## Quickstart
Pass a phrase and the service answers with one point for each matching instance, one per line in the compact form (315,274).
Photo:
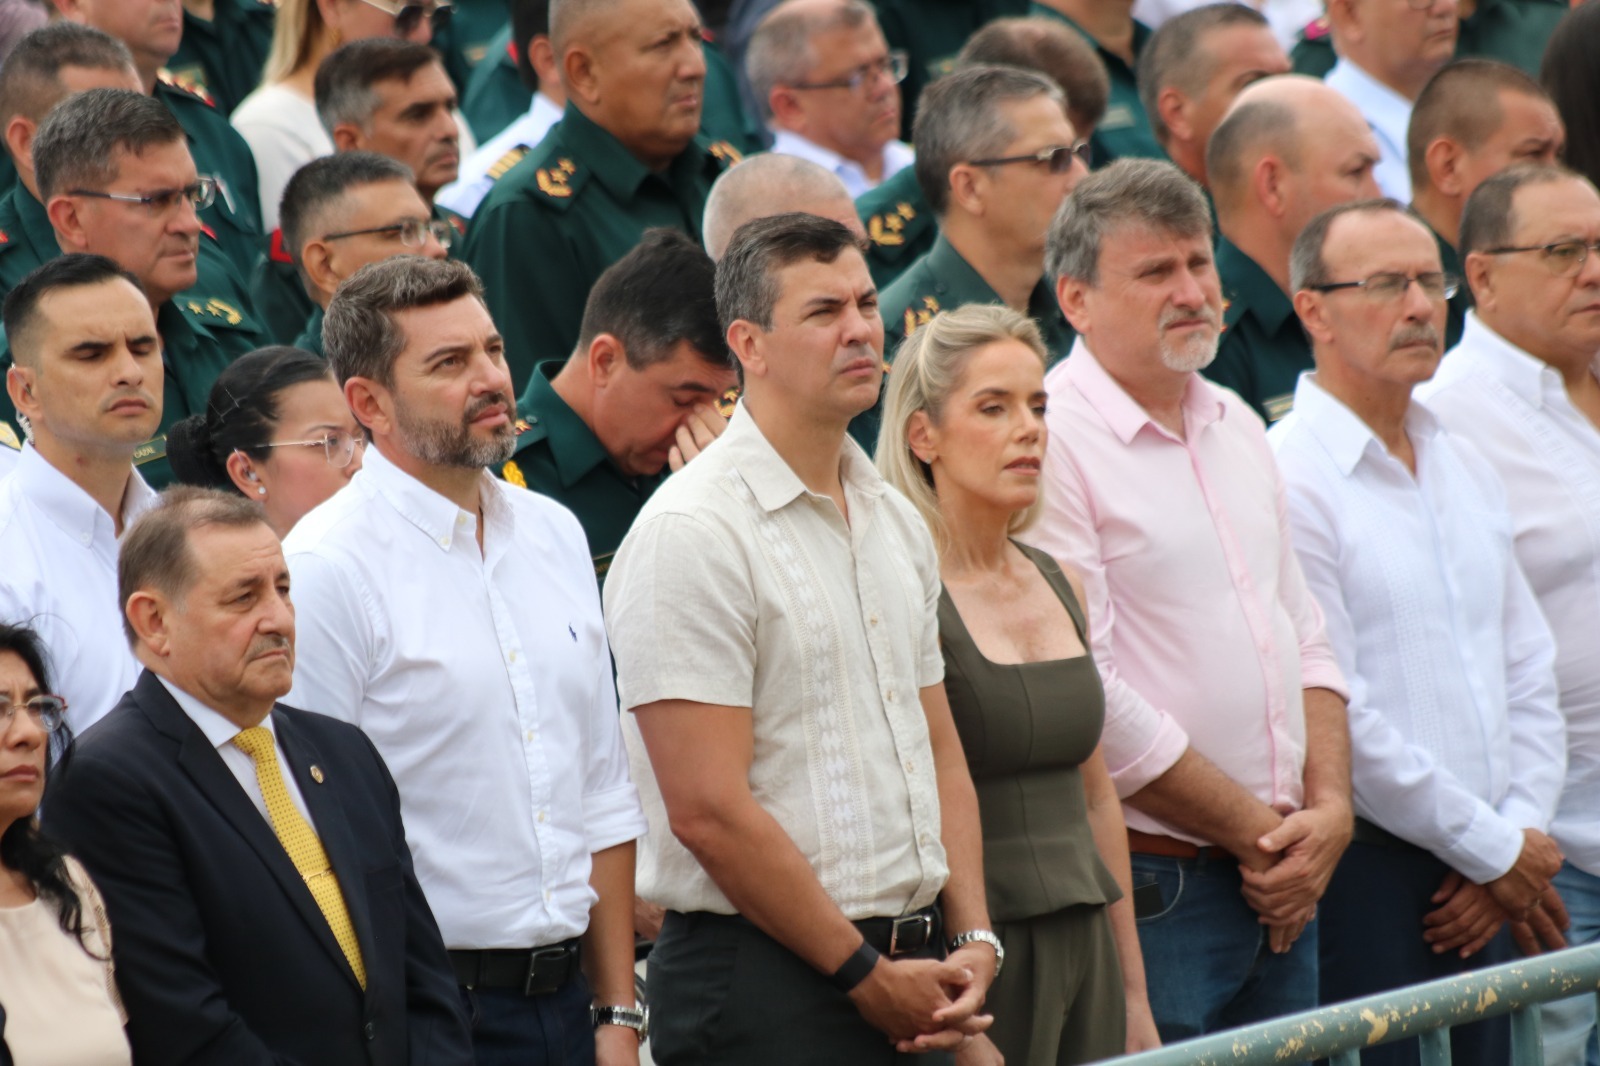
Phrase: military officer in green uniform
(1263,350)
(1118,39)
(931,33)
(603,428)
(1511,31)
(624,158)
(1473,119)
(224,47)
(900,226)
(496,95)
(467,39)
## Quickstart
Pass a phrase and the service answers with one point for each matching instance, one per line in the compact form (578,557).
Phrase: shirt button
(889,695)
(873,620)
(922,839)
(512,655)
(85,537)
(911,767)
(369,1031)
(541,816)
(528,735)
(461,519)
(444,542)
(547,895)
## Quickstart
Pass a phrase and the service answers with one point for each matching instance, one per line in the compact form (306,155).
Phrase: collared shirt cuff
(1524,814)
(613,817)
(1326,675)
(1166,746)
(1487,849)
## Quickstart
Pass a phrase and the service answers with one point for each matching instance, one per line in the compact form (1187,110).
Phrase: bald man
(774,184)
(1289,149)
(1473,120)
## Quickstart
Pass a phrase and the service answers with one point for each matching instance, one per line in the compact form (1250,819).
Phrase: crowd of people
(969,531)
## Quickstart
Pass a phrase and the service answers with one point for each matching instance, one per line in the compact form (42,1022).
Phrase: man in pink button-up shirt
(1225,723)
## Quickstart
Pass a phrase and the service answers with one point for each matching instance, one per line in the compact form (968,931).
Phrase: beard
(1195,353)
(442,443)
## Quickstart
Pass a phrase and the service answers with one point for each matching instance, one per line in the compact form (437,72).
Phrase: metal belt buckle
(533,985)
(908,924)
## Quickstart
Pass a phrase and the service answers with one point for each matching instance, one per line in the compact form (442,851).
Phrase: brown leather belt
(1171,847)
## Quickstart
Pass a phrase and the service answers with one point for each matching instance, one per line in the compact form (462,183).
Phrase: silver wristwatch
(982,936)
(635,1018)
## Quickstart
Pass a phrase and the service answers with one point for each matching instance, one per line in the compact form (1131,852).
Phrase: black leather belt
(536,972)
(1365,832)
(904,935)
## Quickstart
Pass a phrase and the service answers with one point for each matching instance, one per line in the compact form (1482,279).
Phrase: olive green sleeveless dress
(1026,730)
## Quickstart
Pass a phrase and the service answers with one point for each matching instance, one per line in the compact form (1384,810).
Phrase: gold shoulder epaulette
(507,161)
(553,180)
(919,316)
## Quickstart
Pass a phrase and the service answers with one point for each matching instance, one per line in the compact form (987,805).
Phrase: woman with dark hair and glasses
(275,429)
(56,979)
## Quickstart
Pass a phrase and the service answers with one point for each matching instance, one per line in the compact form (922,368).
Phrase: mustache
(1417,334)
(1204,313)
(275,642)
(477,407)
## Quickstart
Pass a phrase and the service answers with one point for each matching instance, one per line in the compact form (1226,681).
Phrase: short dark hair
(240,414)
(1307,268)
(324,182)
(344,80)
(1571,76)
(663,292)
(959,118)
(1175,56)
(1052,48)
(78,142)
(20,312)
(30,77)
(1489,217)
(155,553)
(360,335)
(1462,102)
(747,282)
(529,19)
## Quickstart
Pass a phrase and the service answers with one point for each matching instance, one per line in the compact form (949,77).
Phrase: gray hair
(360,334)
(1137,192)
(1489,218)
(927,369)
(1307,269)
(767,184)
(780,51)
(747,273)
(960,118)
(78,142)
(1175,57)
(344,82)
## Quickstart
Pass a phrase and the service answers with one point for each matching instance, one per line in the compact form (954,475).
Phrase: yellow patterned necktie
(300,841)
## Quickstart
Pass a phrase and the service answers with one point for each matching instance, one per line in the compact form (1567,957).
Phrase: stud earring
(261,490)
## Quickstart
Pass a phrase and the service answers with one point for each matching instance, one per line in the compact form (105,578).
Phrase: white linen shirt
(897,155)
(739,587)
(473,183)
(1389,115)
(1456,739)
(58,573)
(1515,410)
(485,682)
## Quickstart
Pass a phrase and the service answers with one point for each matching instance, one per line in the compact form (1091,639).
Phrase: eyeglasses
(413,232)
(200,195)
(895,65)
(48,712)
(1058,159)
(1562,258)
(1435,285)
(338,448)
(407,17)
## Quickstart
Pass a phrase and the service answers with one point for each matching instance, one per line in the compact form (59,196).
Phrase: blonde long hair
(926,370)
(294,36)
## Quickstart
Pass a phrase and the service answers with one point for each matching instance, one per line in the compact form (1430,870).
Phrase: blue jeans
(1206,959)
(1569,1024)
(511,1029)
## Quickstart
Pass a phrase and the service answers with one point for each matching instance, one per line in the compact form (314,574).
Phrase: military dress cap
(1124,131)
(220,58)
(234,217)
(1263,349)
(574,205)
(900,226)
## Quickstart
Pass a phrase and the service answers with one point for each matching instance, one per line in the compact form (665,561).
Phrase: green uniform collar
(947,264)
(1250,290)
(310,338)
(36,228)
(1449,258)
(612,165)
(574,448)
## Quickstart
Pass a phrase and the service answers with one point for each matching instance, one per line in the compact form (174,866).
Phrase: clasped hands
(928,1004)
(1291,867)
(1470,914)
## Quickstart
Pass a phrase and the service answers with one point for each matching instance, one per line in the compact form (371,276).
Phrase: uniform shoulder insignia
(8,437)
(888,229)
(553,180)
(513,473)
(727,153)
(213,310)
(727,401)
(919,316)
(506,162)
(189,86)
(522,426)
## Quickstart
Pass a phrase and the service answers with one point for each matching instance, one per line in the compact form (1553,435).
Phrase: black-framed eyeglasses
(1435,285)
(48,712)
(1561,258)
(1058,158)
(413,232)
(338,448)
(407,17)
(894,65)
(201,194)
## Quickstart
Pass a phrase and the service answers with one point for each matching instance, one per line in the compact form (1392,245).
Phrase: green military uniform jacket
(310,338)
(559,456)
(574,205)
(932,32)
(1456,312)
(221,59)
(469,37)
(1125,129)
(1263,349)
(27,240)
(1511,31)
(234,218)
(900,226)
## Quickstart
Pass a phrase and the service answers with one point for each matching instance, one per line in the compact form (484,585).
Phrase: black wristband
(855,968)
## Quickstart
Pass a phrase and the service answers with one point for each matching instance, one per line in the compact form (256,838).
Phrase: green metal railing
(1421,1012)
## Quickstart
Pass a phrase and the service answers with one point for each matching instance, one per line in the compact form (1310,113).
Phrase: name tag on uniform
(602,563)
(1117,117)
(150,451)
(1278,406)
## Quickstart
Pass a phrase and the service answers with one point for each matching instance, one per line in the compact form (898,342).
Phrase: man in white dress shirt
(88,378)
(1521,386)
(1457,742)
(773,613)
(455,618)
(829,88)
(1388,49)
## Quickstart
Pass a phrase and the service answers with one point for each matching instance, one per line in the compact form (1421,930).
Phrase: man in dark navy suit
(251,855)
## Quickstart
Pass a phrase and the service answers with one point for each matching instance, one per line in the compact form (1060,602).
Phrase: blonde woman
(963,437)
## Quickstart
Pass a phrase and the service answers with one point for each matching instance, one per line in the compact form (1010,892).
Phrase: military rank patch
(726,402)
(727,153)
(513,474)
(522,425)
(885,229)
(553,180)
(216,309)
(919,316)
(507,161)
(188,81)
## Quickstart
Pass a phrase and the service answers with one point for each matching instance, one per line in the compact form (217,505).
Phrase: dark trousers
(723,993)
(1371,941)
(511,1029)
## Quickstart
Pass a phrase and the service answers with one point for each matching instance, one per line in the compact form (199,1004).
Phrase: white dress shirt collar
(435,515)
(218,729)
(897,155)
(1341,431)
(70,508)
(1528,376)
(773,482)
(1389,115)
